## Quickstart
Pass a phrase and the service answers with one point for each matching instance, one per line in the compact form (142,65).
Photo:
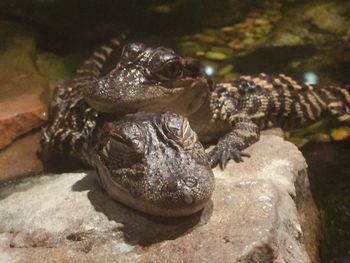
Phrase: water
(330,181)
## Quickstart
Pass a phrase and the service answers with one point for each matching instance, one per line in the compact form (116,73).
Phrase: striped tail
(91,68)
(338,99)
(71,121)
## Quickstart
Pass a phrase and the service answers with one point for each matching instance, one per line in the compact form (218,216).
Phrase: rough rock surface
(22,89)
(20,115)
(253,217)
(21,85)
(21,159)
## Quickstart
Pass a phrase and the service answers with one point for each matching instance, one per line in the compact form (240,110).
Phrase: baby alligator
(151,162)
(155,164)
(158,79)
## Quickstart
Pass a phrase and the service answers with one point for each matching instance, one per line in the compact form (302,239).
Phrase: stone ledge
(20,158)
(253,217)
(20,115)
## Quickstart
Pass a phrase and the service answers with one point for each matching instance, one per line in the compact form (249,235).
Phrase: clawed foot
(45,151)
(221,155)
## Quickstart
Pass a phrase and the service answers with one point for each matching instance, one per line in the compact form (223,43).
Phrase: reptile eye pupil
(172,69)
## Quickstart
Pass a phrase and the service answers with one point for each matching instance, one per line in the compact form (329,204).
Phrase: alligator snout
(188,197)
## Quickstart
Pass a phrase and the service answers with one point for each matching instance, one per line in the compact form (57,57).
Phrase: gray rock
(253,217)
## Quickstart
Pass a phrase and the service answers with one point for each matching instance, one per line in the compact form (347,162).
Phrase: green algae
(18,72)
(212,55)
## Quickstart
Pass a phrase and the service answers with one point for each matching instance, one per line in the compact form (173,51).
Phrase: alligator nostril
(172,185)
(191,181)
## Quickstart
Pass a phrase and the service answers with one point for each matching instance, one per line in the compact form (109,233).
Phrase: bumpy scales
(252,103)
(158,79)
(72,120)
(152,162)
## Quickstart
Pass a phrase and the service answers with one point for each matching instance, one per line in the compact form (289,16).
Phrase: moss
(340,133)
(54,67)
(215,55)
(18,72)
(225,70)
(329,16)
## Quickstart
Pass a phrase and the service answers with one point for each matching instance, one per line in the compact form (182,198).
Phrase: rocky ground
(261,211)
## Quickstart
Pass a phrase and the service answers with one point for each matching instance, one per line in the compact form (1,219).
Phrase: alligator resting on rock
(152,162)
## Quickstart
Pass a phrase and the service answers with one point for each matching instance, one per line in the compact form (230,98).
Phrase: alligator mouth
(164,207)
(154,98)
(122,195)
(156,210)
(156,104)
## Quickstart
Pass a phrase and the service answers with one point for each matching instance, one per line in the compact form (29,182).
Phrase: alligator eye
(119,144)
(115,142)
(130,52)
(186,130)
(180,131)
(172,69)
(174,130)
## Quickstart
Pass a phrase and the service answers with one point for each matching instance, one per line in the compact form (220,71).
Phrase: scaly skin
(155,164)
(71,121)
(149,79)
(151,162)
(157,79)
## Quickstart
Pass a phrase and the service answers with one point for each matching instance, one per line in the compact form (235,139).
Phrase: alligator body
(233,113)
(152,162)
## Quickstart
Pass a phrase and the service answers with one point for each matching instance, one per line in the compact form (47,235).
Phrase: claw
(45,138)
(221,157)
(214,157)
(225,157)
(223,164)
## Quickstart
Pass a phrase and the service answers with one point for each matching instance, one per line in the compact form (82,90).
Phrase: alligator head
(149,79)
(153,162)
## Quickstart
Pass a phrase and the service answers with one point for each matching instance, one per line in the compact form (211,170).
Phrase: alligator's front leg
(231,146)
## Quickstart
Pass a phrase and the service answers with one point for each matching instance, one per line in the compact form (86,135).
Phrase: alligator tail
(338,99)
(91,68)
